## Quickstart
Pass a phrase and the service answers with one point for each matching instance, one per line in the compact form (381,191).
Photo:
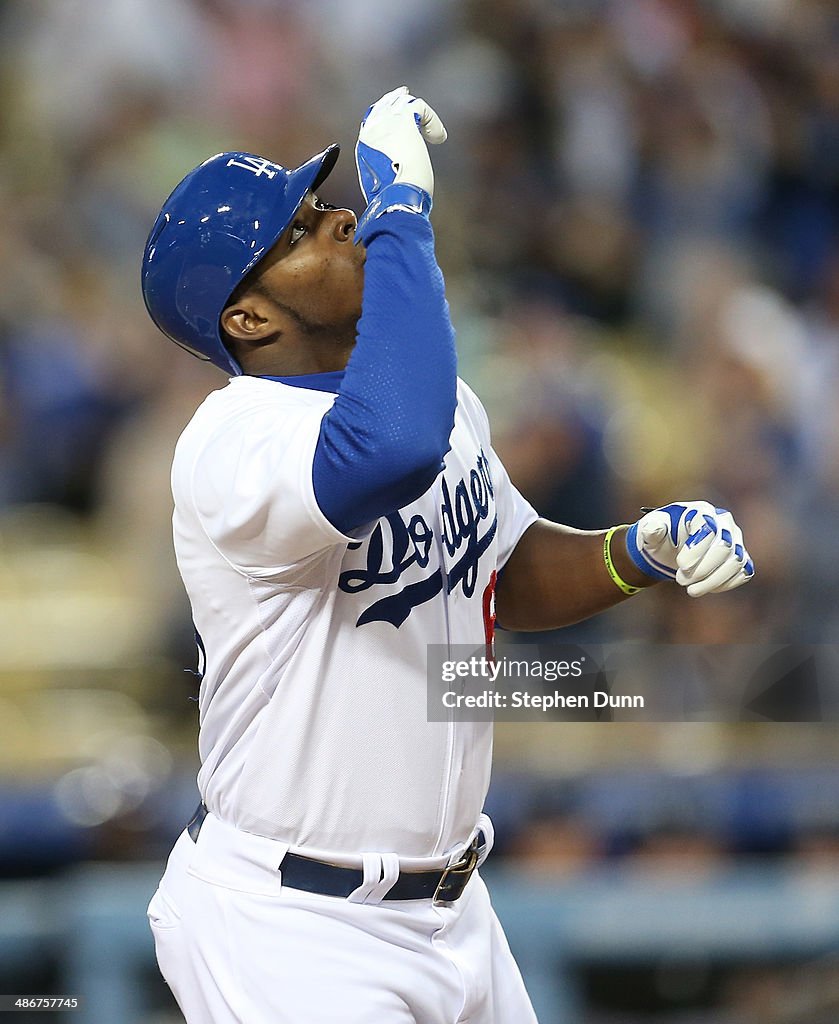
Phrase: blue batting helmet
(213,229)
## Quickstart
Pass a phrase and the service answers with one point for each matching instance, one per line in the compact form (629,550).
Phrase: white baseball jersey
(313,719)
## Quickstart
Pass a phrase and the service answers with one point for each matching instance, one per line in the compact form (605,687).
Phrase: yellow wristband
(627,588)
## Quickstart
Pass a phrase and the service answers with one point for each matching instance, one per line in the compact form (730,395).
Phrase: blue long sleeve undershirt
(382,443)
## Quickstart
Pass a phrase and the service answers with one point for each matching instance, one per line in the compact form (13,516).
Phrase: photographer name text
(540,701)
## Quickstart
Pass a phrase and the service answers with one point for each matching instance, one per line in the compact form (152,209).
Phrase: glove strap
(646,563)
(614,575)
(398,196)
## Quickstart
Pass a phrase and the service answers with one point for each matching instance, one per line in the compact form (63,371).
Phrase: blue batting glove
(391,155)
(695,544)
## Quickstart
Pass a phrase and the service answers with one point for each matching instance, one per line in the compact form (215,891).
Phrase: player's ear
(246,320)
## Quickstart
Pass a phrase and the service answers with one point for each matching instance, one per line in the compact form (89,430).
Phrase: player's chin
(349,284)
(352,300)
(359,284)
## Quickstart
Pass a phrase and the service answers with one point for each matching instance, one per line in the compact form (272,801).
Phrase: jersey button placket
(450,727)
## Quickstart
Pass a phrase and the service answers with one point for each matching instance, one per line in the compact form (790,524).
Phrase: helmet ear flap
(214,228)
(202,284)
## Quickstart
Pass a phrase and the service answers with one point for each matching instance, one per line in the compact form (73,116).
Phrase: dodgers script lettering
(395,546)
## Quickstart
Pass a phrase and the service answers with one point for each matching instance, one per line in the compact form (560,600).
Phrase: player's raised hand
(695,544)
(391,147)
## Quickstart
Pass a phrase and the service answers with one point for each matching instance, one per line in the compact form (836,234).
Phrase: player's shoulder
(471,406)
(248,397)
(244,405)
(464,392)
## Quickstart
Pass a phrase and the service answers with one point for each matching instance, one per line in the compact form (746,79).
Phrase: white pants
(235,945)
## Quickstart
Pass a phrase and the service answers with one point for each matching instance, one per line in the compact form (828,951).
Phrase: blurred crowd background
(636,214)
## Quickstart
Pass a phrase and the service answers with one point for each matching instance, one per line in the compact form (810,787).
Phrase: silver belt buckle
(465,866)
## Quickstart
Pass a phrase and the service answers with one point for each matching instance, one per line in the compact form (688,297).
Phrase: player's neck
(285,360)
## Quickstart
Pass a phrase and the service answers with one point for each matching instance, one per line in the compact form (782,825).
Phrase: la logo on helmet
(256,165)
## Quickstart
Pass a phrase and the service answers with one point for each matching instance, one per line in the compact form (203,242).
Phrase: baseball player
(338,507)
